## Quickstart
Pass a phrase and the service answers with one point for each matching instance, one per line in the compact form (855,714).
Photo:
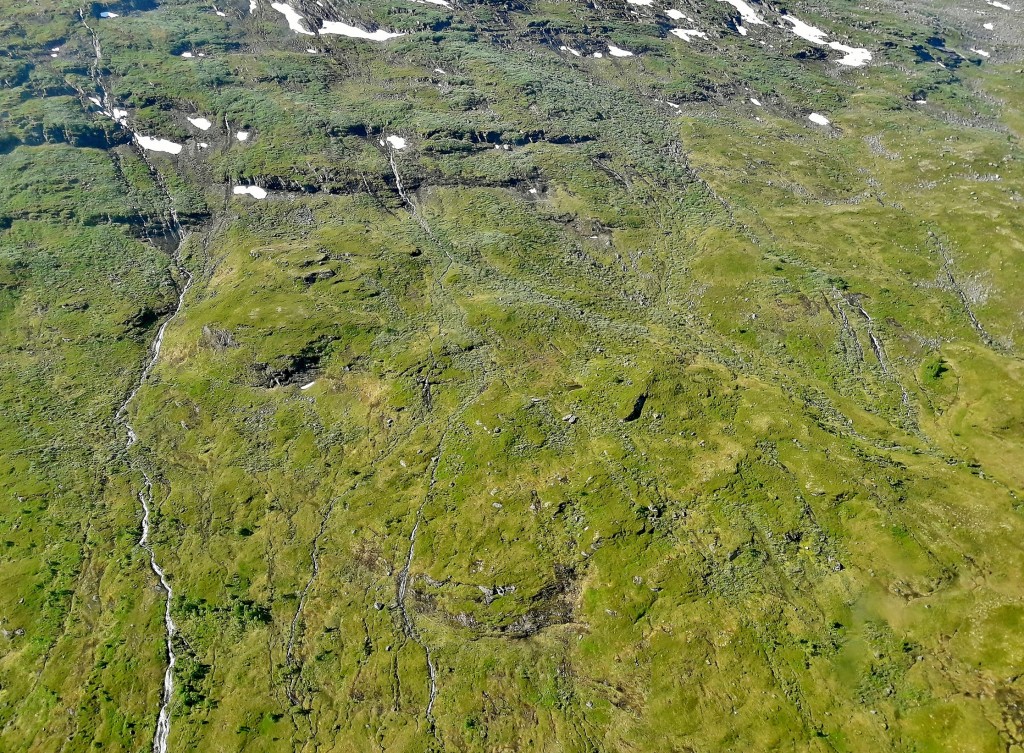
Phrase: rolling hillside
(512,375)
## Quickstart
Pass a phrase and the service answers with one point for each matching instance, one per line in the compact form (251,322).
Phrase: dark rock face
(293,369)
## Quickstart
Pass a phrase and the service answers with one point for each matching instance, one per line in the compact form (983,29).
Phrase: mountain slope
(553,376)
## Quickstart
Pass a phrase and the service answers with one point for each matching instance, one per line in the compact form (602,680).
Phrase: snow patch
(677,15)
(118,114)
(255,191)
(819,119)
(396,142)
(571,51)
(308,385)
(242,135)
(221,13)
(748,14)
(598,55)
(203,145)
(743,31)
(640,2)
(688,35)
(990,27)
(755,102)
(347,30)
(618,52)
(108,14)
(295,21)
(997,4)
(158,145)
(855,56)
(201,123)
(186,54)
(983,53)
(806,31)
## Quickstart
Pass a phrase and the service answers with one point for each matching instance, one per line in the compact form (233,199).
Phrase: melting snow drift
(806,31)
(201,123)
(688,35)
(819,119)
(255,191)
(298,24)
(855,56)
(158,145)
(346,30)
(617,52)
(295,22)
(748,14)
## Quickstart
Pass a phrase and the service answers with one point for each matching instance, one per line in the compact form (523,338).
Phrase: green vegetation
(615,412)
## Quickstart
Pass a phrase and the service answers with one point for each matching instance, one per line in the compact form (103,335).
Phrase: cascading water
(163,725)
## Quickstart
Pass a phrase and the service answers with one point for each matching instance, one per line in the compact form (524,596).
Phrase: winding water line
(163,725)
(408,625)
(403,584)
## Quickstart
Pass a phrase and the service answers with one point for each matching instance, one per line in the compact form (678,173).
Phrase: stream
(163,725)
